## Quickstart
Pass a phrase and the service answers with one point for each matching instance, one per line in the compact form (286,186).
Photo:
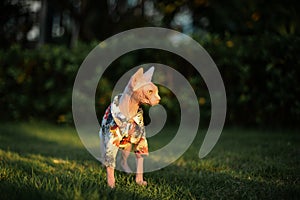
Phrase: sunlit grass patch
(43,161)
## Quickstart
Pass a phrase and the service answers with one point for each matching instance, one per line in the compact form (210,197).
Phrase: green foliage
(42,161)
(38,83)
(260,73)
(254,43)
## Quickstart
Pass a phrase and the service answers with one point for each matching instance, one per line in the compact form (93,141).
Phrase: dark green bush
(261,76)
(38,83)
(260,73)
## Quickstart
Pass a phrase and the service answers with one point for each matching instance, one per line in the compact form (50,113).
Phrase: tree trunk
(46,20)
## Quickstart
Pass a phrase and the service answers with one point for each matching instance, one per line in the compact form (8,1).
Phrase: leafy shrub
(38,83)
(261,76)
(260,73)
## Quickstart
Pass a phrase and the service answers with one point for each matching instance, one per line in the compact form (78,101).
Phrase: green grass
(42,161)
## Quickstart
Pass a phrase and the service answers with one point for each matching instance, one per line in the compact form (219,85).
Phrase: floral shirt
(117,132)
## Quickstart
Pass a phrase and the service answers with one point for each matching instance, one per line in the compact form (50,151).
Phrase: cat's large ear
(136,78)
(148,74)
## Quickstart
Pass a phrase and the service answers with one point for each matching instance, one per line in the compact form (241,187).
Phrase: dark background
(255,44)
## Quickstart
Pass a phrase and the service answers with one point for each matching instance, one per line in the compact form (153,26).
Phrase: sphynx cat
(123,127)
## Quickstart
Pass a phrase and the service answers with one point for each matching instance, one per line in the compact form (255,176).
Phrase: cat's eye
(150,91)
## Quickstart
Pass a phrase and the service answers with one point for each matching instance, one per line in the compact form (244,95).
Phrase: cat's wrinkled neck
(128,105)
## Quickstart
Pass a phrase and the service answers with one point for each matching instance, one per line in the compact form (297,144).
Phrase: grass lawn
(43,161)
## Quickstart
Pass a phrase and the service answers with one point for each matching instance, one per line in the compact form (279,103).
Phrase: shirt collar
(118,116)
